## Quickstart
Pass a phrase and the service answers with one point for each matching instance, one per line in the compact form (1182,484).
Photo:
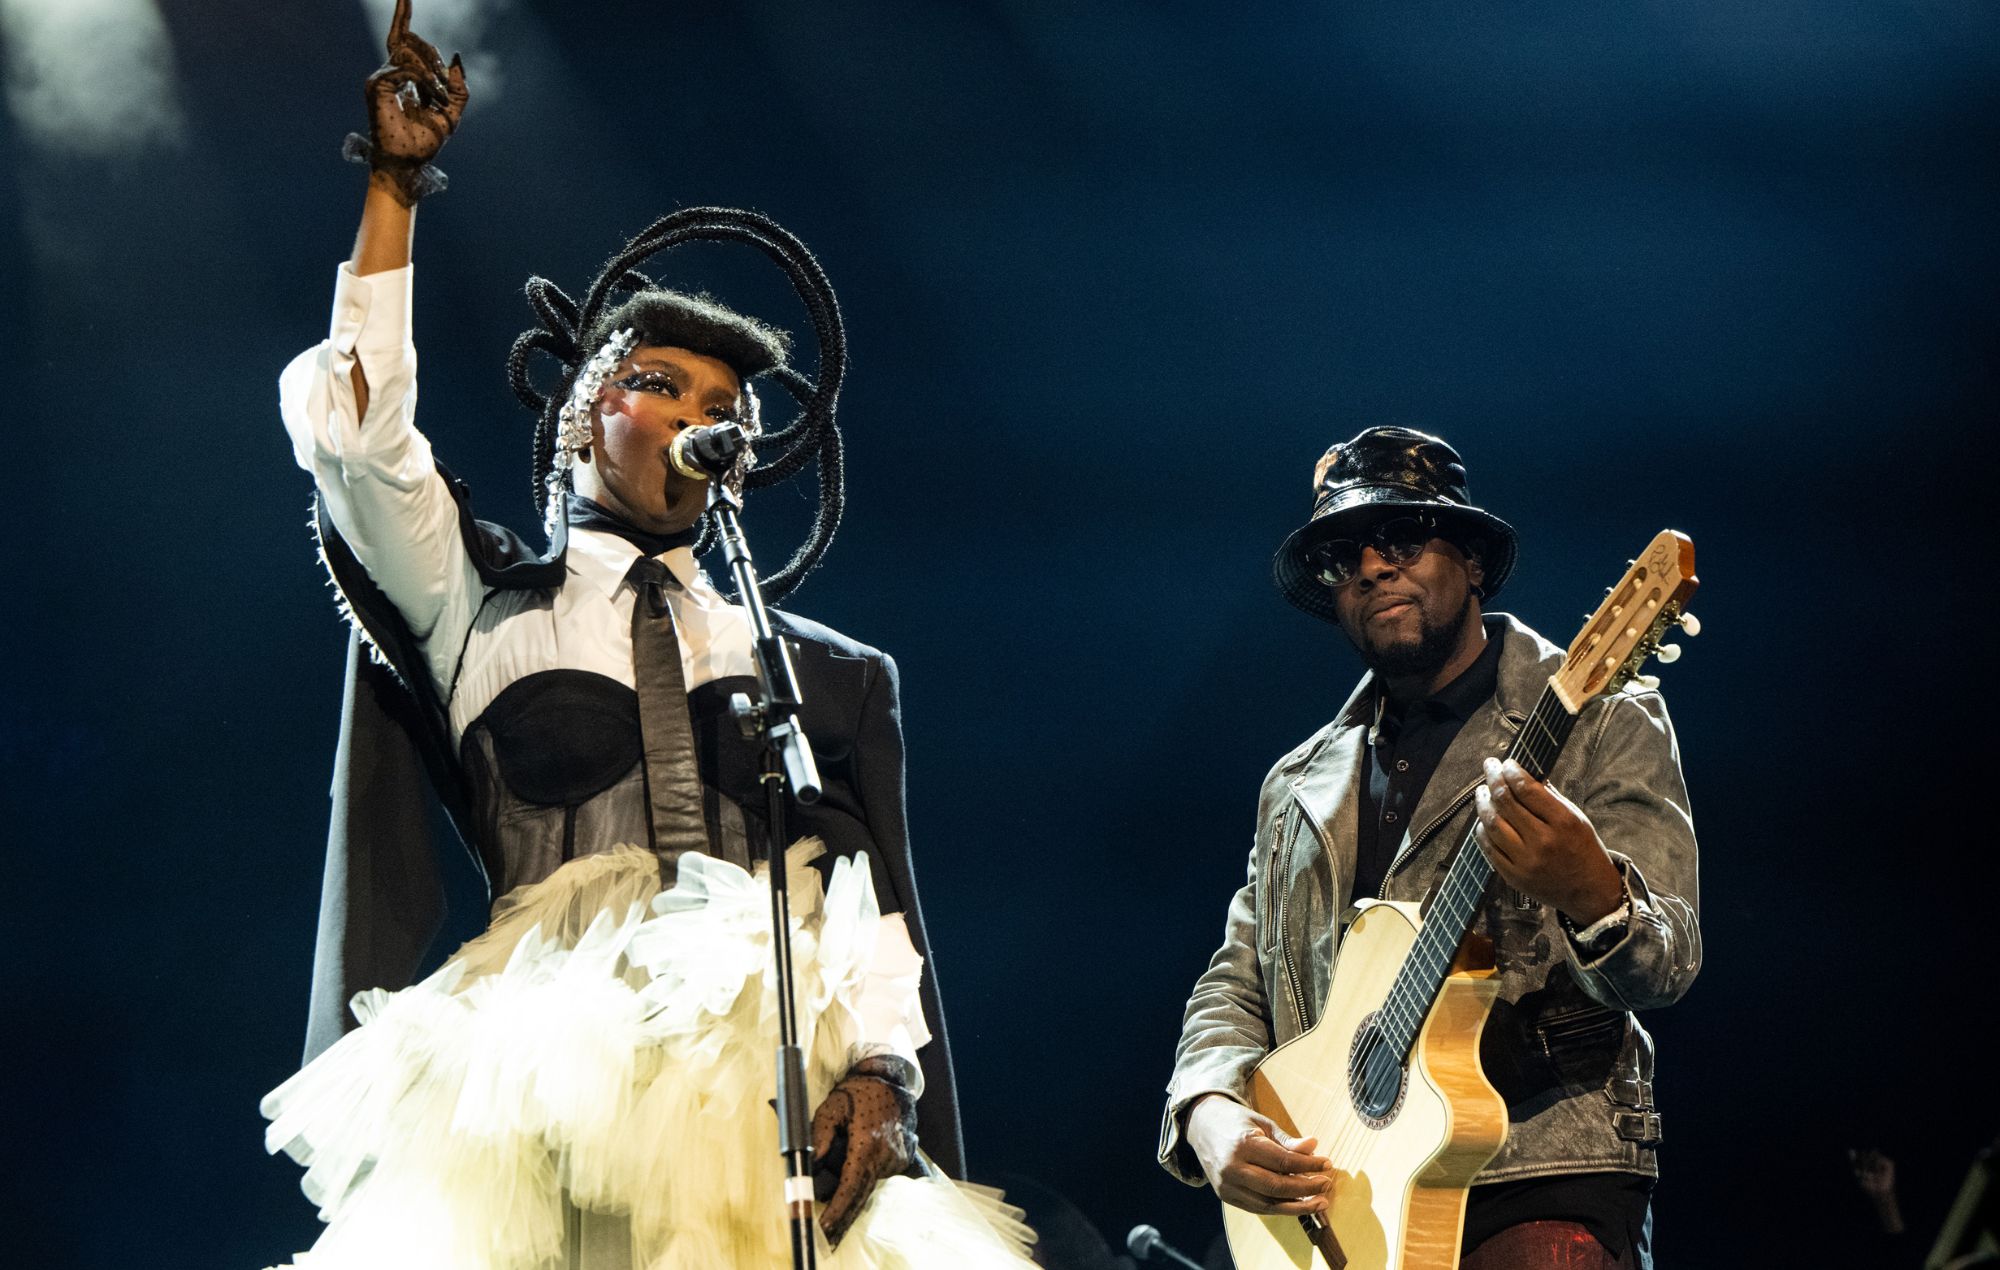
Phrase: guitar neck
(1457,901)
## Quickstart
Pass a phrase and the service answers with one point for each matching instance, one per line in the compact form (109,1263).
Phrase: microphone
(1145,1243)
(701,453)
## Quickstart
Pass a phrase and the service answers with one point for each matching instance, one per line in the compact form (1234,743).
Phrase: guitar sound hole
(1374,1075)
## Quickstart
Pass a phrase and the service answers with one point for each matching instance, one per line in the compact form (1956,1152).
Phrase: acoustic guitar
(1389,1079)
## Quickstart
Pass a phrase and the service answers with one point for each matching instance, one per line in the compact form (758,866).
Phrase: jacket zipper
(1451,809)
(1268,903)
(1298,813)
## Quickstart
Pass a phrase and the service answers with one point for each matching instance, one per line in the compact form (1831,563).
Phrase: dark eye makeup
(658,381)
(651,381)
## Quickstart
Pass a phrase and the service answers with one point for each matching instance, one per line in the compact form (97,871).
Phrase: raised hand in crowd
(1875,1174)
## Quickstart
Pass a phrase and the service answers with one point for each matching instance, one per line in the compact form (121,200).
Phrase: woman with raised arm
(585,1084)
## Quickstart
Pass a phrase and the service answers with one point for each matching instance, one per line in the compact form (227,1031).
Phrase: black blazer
(382,900)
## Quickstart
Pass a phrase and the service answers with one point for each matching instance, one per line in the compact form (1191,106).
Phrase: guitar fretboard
(1423,973)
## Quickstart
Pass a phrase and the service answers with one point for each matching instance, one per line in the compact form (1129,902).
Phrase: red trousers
(1541,1245)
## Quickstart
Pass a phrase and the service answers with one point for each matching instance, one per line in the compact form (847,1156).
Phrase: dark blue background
(1114,275)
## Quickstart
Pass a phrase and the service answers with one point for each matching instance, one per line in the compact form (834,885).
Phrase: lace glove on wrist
(866,1130)
(414,104)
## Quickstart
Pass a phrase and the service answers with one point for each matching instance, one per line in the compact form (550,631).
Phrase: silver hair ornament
(752,423)
(573,421)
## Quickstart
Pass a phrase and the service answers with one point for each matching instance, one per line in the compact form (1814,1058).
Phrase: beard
(1427,654)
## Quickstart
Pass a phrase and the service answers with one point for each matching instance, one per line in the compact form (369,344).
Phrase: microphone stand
(774,719)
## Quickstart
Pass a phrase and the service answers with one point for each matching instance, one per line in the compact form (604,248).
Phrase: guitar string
(1399,1008)
(1462,887)
(1394,1021)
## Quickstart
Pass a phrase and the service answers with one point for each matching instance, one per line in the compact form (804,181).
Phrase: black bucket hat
(1382,473)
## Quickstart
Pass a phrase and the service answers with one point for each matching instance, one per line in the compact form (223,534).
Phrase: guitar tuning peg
(1648,682)
(1690,623)
(1669,654)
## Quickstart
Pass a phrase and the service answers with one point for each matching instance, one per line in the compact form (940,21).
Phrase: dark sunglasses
(1399,542)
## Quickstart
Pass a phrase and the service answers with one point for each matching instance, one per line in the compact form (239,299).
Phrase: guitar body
(1398,1198)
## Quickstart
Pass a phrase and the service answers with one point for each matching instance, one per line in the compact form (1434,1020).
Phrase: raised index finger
(399,25)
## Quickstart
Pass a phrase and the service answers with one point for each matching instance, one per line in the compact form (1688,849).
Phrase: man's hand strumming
(1254,1164)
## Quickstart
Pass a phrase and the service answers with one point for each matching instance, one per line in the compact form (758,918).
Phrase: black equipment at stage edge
(1145,1243)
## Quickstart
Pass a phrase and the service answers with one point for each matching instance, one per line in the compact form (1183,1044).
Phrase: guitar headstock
(1627,628)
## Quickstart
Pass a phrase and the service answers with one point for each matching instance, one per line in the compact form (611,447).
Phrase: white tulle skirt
(585,1086)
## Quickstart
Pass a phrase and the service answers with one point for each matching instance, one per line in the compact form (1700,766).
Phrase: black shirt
(1408,742)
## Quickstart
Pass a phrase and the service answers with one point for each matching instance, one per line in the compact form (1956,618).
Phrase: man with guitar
(1591,916)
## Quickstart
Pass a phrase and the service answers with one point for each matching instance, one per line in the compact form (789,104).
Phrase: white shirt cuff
(889,1008)
(371,312)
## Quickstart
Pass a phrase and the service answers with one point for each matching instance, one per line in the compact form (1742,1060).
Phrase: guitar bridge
(1320,1236)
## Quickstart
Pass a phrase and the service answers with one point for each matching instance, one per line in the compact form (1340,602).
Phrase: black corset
(553,770)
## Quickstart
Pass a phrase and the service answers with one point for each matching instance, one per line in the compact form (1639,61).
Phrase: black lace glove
(414,104)
(866,1130)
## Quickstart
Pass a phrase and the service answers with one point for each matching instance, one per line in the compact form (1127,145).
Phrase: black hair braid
(800,388)
(556,310)
(832,502)
(813,436)
(557,337)
(518,379)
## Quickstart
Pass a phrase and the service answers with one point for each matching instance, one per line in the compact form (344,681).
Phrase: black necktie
(673,781)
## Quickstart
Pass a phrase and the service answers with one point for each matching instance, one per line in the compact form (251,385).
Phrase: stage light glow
(90,77)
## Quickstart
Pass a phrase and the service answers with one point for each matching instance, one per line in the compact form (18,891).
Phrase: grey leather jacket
(1562,1045)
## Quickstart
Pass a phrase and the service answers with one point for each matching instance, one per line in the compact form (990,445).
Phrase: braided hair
(569,332)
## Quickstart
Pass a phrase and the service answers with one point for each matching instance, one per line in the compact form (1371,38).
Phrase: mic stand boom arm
(787,760)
